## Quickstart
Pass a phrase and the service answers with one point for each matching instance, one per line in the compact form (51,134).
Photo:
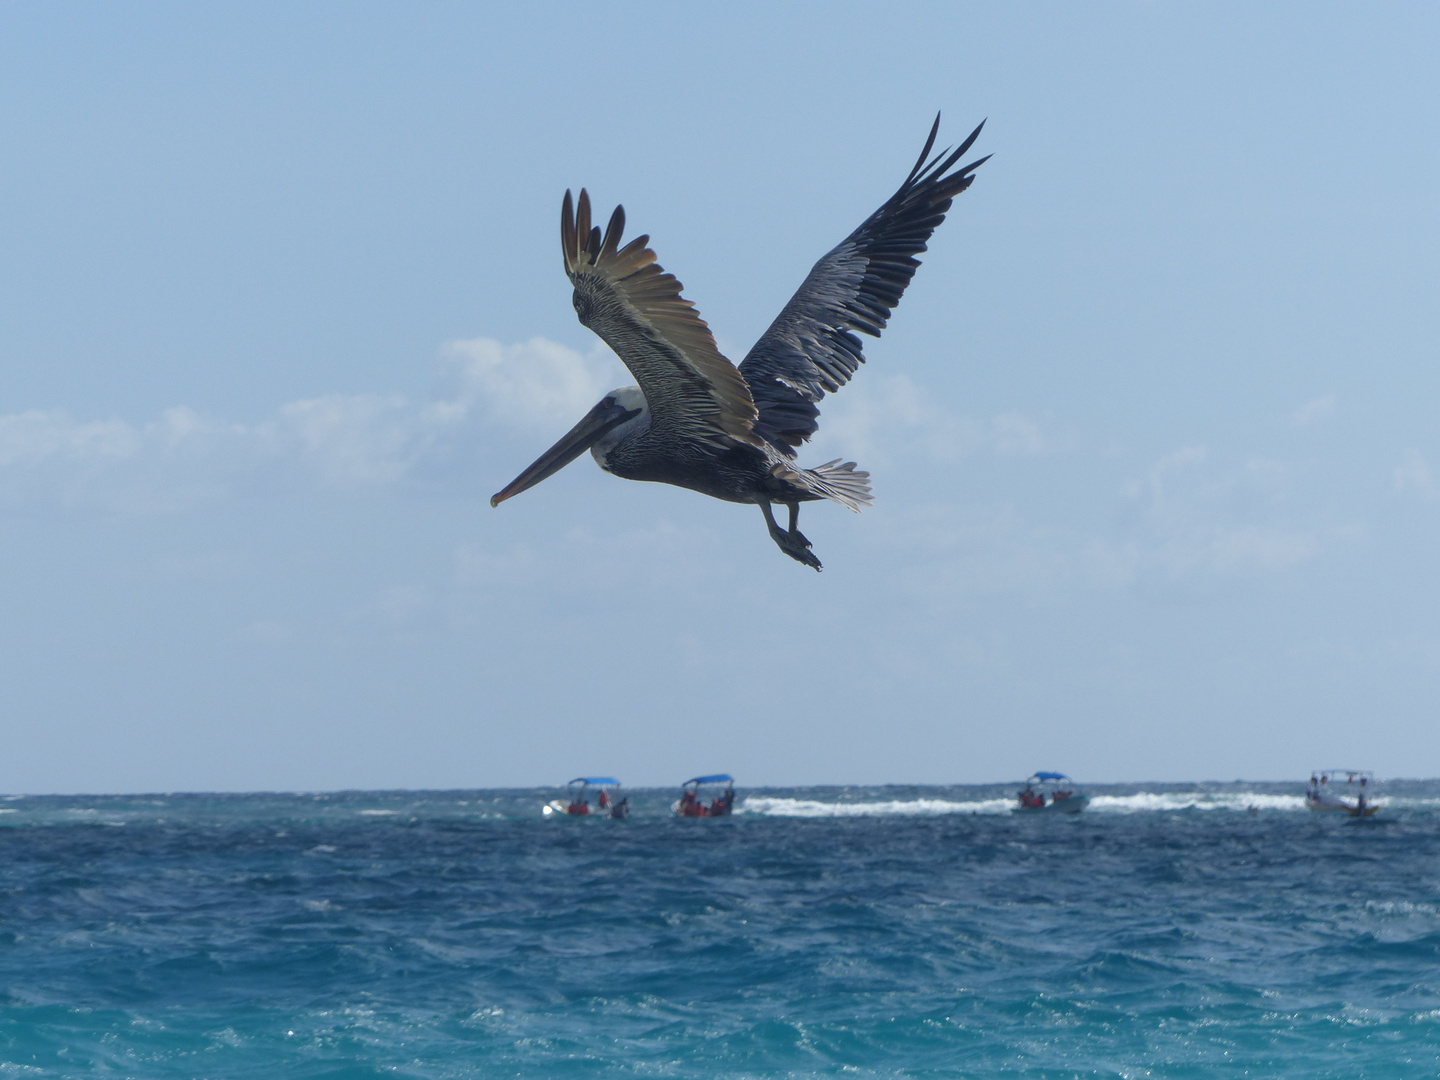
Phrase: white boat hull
(1353,809)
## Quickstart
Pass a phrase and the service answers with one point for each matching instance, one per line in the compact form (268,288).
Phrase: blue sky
(1152,434)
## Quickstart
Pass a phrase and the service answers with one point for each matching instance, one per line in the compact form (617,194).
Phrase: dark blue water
(868,932)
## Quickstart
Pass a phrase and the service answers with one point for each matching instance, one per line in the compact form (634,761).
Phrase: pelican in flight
(696,420)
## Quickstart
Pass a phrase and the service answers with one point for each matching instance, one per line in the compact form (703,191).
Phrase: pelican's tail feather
(841,482)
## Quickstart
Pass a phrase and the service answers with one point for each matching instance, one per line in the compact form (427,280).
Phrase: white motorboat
(578,805)
(1354,796)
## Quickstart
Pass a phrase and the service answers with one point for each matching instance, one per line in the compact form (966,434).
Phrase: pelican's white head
(631,400)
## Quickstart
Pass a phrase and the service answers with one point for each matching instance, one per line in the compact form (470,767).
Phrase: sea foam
(1138,802)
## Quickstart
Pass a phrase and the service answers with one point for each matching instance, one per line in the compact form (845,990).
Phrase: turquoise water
(895,931)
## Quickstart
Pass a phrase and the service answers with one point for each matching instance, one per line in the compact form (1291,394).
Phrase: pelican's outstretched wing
(627,298)
(811,346)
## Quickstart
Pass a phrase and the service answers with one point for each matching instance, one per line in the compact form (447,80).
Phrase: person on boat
(604,799)
(722,803)
(690,806)
(621,809)
(578,806)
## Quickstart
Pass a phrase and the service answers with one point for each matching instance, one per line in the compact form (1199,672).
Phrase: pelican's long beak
(577,440)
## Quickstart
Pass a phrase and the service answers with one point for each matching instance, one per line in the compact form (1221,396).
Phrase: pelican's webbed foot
(793,542)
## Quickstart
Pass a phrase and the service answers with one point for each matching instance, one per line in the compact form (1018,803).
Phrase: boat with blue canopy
(1050,793)
(693,800)
(578,804)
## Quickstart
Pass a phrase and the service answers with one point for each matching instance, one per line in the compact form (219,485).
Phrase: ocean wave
(1398,803)
(781,807)
(1139,802)
(895,944)
(1149,801)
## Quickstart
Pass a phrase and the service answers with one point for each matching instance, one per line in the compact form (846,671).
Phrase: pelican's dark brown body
(735,474)
(696,420)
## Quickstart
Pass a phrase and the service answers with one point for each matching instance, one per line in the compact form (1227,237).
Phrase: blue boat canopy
(597,781)
(1050,776)
(717,778)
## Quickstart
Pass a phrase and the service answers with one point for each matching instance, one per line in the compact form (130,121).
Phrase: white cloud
(890,416)
(490,393)
(1013,434)
(1187,515)
(401,604)
(336,442)
(1413,476)
(1187,519)
(539,385)
(1196,520)
(52,458)
(30,437)
(1314,411)
(1162,478)
(978,550)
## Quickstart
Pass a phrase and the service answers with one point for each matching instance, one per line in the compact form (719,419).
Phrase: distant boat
(1354,797)
(1050,793)
(692,802)
(578,805)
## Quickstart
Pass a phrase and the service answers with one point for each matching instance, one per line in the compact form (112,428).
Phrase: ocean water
(1169,931)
